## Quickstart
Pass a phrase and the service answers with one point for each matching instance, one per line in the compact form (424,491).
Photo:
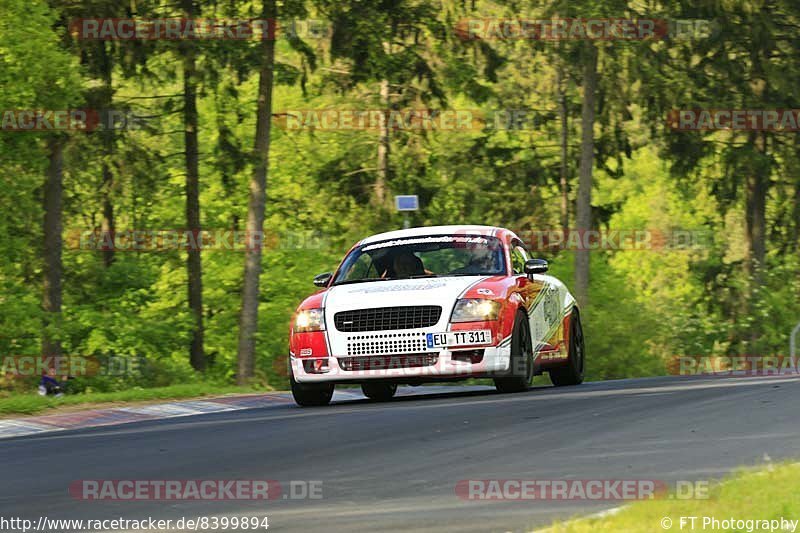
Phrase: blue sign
(409,202)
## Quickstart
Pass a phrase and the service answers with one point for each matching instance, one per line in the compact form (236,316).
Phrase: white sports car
(430,304)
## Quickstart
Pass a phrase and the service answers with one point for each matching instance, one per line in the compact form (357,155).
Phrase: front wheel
(572,372)
(521,358)
(311,394)
(380,392)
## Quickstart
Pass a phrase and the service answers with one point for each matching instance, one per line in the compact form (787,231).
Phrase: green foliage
(759,494)
(645,306)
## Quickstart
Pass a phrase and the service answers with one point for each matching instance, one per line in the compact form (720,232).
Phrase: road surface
(394,466)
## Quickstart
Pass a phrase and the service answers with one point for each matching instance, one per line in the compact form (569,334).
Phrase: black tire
(311,394)
(379,392)
(572,372)
(521,371)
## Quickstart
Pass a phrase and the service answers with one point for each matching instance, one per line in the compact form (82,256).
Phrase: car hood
(423,291)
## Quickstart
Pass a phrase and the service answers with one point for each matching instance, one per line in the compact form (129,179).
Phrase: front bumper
(445,365)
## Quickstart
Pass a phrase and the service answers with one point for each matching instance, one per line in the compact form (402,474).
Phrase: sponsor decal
(427,240)
(547,356)
(411,286)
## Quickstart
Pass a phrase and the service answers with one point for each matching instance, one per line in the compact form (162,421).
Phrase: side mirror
(535,266)
(322,280)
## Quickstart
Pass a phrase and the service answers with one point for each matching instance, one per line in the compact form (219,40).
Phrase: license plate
(459,338)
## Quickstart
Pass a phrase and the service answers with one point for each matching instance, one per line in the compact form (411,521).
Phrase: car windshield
(428,256)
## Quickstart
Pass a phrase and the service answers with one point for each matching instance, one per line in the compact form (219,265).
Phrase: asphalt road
(395,466)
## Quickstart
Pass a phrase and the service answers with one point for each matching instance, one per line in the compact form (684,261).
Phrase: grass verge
(768,494)
(33,403)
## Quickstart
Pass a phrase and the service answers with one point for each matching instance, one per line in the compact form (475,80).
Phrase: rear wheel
(572,372)
(311,394)
(380,392)
(521,358)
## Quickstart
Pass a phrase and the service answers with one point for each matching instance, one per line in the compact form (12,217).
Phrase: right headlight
(475,310)
(309,320)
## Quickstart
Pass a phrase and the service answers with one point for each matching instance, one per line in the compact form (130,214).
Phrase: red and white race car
(434,304)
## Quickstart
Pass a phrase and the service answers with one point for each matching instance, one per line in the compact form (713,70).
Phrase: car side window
(362,268)
(518,258)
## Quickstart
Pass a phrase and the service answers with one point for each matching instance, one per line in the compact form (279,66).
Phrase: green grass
(768,494)
(33,403)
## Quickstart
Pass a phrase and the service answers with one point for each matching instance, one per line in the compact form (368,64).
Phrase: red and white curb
(33,425)
(125,415)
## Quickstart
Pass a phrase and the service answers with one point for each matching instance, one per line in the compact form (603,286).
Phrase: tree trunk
(108,226)
(562,113)
(191,154)
(51,298)
(383,148)
(756,187)
(795,245)
(583,209)
(248,319)
(757,184)
(794,236)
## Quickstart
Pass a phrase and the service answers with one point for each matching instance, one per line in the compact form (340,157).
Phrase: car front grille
(387,318)
(386,343)
(387,362)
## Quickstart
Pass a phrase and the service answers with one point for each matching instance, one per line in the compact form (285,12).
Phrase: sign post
(793,342)
(405,203)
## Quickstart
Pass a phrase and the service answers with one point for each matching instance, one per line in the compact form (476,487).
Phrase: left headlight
(309,320)
(475,310)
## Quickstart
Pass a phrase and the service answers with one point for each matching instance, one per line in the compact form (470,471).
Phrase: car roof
(436,230)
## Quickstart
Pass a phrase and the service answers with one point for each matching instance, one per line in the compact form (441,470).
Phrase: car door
(540,296)
(529,289)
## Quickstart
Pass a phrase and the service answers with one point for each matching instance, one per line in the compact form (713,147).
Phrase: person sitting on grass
(49,386)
